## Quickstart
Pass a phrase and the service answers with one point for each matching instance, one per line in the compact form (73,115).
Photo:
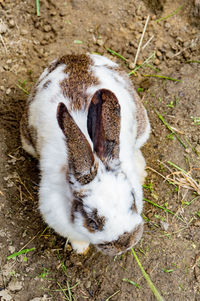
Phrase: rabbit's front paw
(81,247)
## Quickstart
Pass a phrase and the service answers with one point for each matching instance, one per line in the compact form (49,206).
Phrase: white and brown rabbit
(85,123)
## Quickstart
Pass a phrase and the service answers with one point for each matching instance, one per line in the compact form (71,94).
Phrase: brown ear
(103,124)
(80,157)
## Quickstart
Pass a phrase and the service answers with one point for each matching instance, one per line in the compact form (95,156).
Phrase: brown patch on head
(92,221)
(104,124)
(79,79)
(80,157)
(123,243)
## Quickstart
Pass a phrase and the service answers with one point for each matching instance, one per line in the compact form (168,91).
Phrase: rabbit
(85,124)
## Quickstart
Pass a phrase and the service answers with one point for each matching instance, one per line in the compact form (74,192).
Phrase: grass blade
(131,282)
(163,208)
(153,55)
(38,7)
(162,76)
(117,54)
(24,251)
(146,276)
(170,15)
(24,90)
(169,128)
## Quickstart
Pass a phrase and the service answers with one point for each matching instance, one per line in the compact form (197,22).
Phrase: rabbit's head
(107,205)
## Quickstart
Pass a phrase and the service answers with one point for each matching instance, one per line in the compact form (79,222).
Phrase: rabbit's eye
(92,224)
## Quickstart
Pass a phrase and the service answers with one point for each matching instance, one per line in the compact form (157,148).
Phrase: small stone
(9,61)
(139,62)
(131,66)
(11,249)
(2,88)
(153,17)
(62,13)
(198,148)
(158,53)
(88,284)
(197,223)
(188,150)
(186,44)
(24,32)
(5,295)
(3,28)
(164,225)
(169,54)
(8,91)
(167,25)
(53,13)
(15,286)
(47,28)
(100,42)
(11,23)
(156,62)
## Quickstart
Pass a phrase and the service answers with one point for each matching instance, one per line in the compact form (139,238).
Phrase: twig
(147,43)
(141,39)
(145,62)
(4,44)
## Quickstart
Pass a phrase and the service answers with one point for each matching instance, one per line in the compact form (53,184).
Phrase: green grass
(171,130)
(131,282)
(147,278)
(24,251)
(116,54)
(162,77)
(78,42)
(152,56)
(170,15)
(38,7)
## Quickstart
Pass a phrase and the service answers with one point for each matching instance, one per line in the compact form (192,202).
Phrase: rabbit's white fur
(108,193)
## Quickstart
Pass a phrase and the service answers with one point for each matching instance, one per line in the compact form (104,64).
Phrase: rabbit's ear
(103,124)
(80,156)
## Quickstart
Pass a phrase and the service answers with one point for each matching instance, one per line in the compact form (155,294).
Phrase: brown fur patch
(80,78)
(80,155)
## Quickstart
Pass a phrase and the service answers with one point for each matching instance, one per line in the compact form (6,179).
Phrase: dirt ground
(170,248)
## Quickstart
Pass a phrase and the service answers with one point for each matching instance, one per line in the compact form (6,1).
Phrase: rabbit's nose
(123,243)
